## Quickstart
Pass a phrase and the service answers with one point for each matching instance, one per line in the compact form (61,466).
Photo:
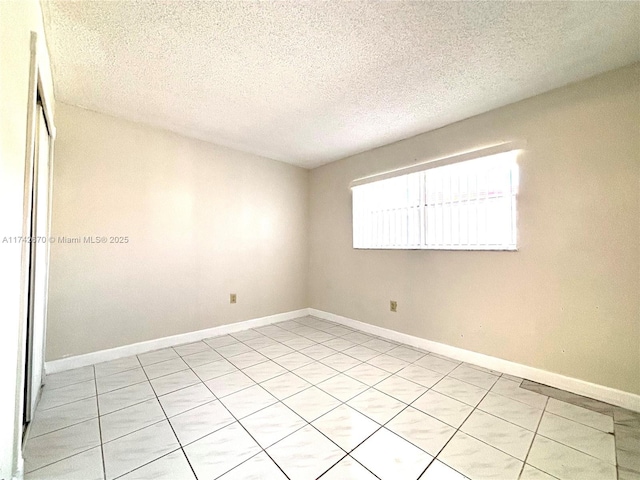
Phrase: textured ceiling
(311,82)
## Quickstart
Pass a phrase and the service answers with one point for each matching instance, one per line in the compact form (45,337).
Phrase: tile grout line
(168,421)
(341,403)
(369,387)
(436,457)
(247,431)
(407,405)
(535,434)
(104,465)
(256,383)
(308,423)
(315,384)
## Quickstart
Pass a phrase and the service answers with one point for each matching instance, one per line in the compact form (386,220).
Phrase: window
(469,205)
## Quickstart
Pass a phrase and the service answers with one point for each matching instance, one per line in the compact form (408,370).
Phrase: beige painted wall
(568,300)
(203,222)
(18,18)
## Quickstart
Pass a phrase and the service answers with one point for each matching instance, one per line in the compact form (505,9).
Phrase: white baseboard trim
(78,361)
(599,392)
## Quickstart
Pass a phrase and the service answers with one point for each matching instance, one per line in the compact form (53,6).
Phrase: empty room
(271,240)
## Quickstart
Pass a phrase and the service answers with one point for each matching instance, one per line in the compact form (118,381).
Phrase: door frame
(36,94)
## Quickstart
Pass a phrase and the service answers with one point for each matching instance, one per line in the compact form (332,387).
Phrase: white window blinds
(469,205)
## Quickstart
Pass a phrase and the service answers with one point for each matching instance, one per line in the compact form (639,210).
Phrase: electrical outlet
(232,298)
(393,305)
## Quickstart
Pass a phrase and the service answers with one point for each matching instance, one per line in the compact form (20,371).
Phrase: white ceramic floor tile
(474,376)
(478,460)
(357,337)
(566,463)
(214,369)
(390,457)
(423,376)
(51,447)
(361,353)
(264,371)
(299,342)
(401,388)
(483,369)
(388,363)
(437,364)
(63,395)
(258,467)
(445,409)
(247,335)
(338,331)
(247,359)
(311,403)
(422,430)
(200,421)
(268,329)
(157,356)
(275,351)
(340,362)
(513,411)
(120,380)
(293,360)
(376,405)
(191,348)
(272,424)
(317,352)
(130,419)
(245,402)
(285,385)
(116,366)
(288,324)
(342,387)
(233,349)
(221,451)
(260,342)
(306,454)
(346,427)
(331,364)
(439,471)
(512,390)
(83,466)
(167,367)
(283,336)
(315,372)
(461,391)
(222,341)
(531,473)
(581,415)
(498,433)
(46,421)
(125,397)
(173,382)
(185,399)
(202,358)
(379,345)
(350,469)
(173,466)
(406,354)
(64,379)
(320,337)
(586,439)
(368,374)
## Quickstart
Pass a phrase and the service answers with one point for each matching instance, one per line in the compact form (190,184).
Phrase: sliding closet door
(39,265)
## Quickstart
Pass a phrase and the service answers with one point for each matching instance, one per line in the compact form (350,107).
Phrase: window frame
(507,149)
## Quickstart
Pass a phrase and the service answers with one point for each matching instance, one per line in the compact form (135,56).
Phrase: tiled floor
(309,398)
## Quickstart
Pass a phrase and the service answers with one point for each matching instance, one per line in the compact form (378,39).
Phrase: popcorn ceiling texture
(311,82)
